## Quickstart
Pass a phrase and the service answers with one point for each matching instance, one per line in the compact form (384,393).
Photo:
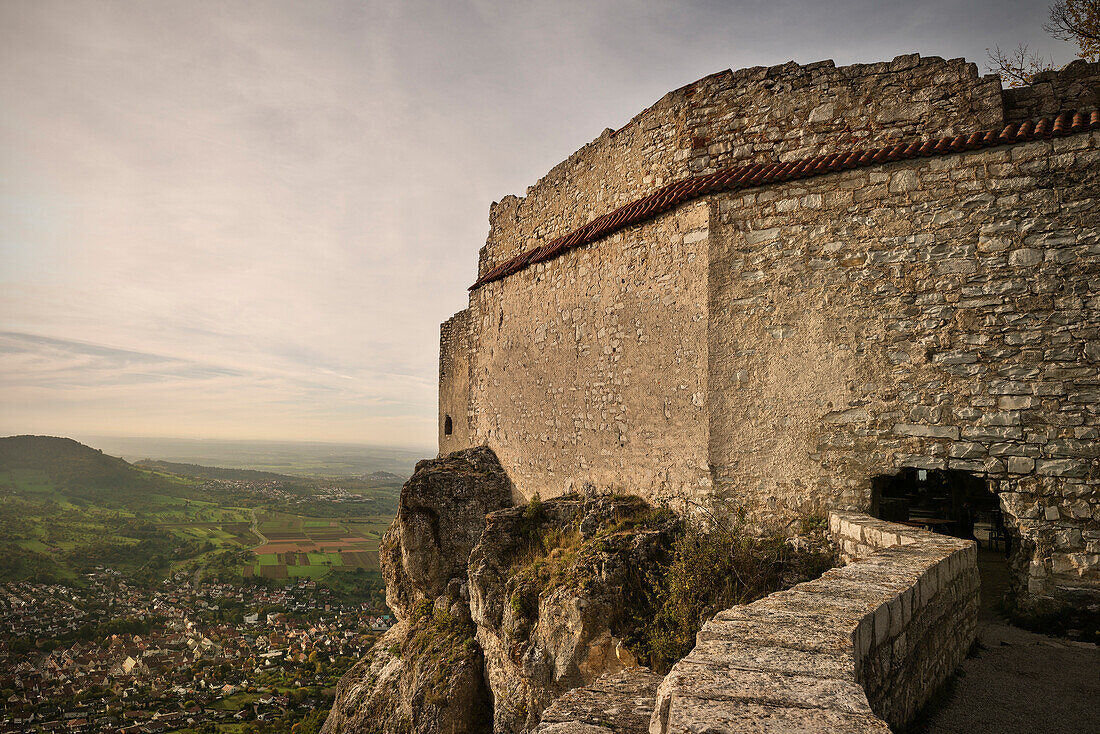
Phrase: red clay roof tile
(757,174)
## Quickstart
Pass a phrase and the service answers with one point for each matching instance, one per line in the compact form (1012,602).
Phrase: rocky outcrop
(556,590)
(617,703)
(439,521)
(426,675)
(539,617)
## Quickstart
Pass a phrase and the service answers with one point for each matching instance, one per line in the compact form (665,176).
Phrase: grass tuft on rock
(699,567)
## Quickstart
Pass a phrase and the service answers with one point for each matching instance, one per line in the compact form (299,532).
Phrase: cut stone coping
(859,649)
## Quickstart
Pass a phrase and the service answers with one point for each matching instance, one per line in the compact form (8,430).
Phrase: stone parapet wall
(917,638)
(1076,87)
(761,114)
(858,650)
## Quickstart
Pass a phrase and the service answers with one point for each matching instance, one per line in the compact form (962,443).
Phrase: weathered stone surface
(727,682)
(439,520)
(426,674)
(573,727)
(544,637)
(1075,87)
(618,702)
(409,685)
(691,715)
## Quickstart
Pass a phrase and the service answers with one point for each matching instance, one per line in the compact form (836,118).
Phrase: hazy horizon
(422,450)
(299,458)
(246,220)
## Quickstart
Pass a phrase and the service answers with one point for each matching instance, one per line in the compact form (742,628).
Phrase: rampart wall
(1076,87)
(592,367)
(750,115)
(858,650)
(781,345)
(938,314)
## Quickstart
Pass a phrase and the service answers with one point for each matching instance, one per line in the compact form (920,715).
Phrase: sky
(246,220)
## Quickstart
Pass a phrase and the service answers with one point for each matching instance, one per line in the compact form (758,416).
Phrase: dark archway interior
(942,500)
(448,426)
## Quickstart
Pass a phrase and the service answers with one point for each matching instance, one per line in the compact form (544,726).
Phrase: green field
(65,507)
(300,545)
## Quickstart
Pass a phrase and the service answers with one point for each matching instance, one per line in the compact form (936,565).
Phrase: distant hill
(294,458)
(70,467)
(65,461)
(216,472)
(62,459)
(65,507)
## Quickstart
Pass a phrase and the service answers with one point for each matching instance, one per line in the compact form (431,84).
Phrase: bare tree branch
(1018,67)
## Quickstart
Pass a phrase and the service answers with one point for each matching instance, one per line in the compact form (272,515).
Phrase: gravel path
(1020,681)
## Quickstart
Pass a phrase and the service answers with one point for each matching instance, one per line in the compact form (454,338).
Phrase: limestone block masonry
(833,315)
(858,650)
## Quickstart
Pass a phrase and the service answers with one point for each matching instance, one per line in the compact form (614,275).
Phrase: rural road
(255,528)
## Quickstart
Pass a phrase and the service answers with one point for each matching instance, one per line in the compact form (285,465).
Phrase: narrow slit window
(448,426)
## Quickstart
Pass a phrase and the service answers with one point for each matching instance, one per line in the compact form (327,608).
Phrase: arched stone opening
(448,426)
(945,501)
(956,503)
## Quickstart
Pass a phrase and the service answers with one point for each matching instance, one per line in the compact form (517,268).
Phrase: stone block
(966,450)
(903,180)
(1020,464)
(926,431)
(735,685)
(742,655)
(1060,468)
(1025,257)
(689,714)
(882,624)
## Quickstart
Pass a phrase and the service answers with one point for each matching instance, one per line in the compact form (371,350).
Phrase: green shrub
(700,568)
(714,566)
(534,510)
(522,609)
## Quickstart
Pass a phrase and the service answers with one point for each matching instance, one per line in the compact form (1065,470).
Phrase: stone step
(619,703)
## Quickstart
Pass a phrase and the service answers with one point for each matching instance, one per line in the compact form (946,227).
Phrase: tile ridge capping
(752,175)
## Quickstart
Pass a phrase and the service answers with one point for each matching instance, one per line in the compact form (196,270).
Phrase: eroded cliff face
(439,521)
(558,591)
(425,676)
(501,609)
(422,677)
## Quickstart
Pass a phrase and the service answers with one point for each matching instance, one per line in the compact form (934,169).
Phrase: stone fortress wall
(594,369)
(751,115)
(1076,87)
(782,345)
(938,314)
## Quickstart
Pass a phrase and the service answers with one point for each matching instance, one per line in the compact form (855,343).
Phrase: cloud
(248,219)
(97,386)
